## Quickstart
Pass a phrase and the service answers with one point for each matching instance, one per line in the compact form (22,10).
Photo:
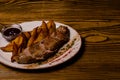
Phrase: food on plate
(9,47)
(39,44)
(51,26)
(42,32)
(45,48)
(28,37)
(33,37)
(27,34)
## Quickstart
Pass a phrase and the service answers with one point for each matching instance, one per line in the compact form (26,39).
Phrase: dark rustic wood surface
(98,23)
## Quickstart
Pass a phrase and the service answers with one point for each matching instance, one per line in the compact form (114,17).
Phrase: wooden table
(98,23)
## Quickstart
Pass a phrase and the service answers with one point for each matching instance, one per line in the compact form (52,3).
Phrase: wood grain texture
(98,23)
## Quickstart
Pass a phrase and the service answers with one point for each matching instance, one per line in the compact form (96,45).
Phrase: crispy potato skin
(51,26)
(8,48)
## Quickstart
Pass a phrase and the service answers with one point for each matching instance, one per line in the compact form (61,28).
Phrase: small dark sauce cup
(10,32)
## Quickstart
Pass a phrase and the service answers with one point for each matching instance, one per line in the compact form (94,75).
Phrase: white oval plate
(74,46)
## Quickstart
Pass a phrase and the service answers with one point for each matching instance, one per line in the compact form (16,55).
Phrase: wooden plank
(97,22)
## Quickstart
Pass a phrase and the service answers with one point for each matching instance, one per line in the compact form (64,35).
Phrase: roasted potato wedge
(21,39)
(34,32)
(27,34)
(30,41)
(40,36)
(24,42)
(14,52)
(15,49)
(8,48)
(33,37)
(38,29)
(43,31)
(45,28)
(20,49)
(51,26)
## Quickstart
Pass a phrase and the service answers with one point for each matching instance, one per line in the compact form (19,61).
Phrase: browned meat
(46,48)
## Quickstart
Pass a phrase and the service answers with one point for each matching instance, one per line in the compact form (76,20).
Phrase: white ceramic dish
(74,46)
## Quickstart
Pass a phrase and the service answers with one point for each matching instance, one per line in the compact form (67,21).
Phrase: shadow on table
(60,66)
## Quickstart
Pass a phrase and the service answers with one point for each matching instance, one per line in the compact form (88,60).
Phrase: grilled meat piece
(46,48)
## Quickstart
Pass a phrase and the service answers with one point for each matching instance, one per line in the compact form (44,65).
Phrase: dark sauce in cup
(11,32)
